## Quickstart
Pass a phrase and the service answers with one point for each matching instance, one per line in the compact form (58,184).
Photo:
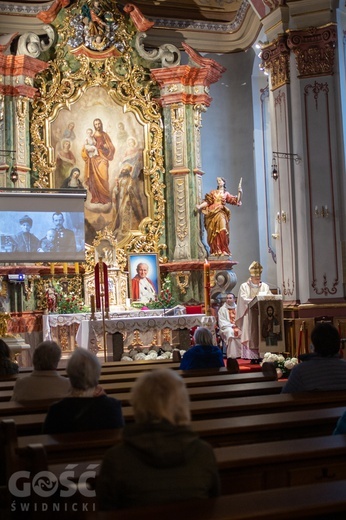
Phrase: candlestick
(64,267)
(92,304)
(76,267)
(52,268)
(206,270)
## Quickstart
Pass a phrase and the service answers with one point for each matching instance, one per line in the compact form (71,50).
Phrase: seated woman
(7,366)
(204,354)
(87,407)
(161,459)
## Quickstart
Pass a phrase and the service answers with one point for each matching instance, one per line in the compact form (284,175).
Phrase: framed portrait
(271,326)
(144,276)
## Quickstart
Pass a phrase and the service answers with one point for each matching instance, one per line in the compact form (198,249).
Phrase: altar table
(63,327)
(89,330)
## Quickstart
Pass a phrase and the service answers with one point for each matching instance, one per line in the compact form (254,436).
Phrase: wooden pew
(196,379)
(269,465)
(242,468)
(29,420)
(268,427)
(317,502)
(69,446)
(322,501)
(230,431)
(122,390)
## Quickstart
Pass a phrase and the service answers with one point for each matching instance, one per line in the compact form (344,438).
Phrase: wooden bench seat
(222,432)
(196,379)
(268,427)
(122,390)
(242,468)
(322,501)
(325,501)
(29,420)
(268,465)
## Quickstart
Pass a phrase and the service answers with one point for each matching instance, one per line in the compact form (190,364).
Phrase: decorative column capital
(188,84)
(276,59)
(314,49)
(22,71)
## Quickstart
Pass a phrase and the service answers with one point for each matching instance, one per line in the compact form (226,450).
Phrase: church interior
(159,159)
(251,92)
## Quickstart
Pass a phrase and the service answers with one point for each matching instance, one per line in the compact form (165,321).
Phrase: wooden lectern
(267,323)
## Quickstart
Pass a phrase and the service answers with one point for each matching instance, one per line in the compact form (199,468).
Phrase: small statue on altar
(51,299)
(217,216)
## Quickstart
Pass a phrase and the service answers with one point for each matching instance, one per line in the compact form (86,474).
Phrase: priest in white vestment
(248,326)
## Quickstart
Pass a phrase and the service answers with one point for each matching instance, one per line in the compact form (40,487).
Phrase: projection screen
(42,226)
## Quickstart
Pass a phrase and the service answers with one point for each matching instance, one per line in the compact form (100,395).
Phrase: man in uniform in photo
(65,240)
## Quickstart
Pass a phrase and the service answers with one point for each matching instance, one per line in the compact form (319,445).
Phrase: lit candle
(52,268)
(206,270)
(76,267)
(64,267)
(92,303)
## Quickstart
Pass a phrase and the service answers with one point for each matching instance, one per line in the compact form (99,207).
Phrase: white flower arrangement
(283,365)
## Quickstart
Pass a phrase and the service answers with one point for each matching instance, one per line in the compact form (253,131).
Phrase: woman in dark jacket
(160,459)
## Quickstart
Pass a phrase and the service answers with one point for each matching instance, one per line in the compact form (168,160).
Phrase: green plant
(165,299)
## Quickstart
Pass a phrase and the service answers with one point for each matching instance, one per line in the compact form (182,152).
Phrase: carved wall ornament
(314,49)
(30,44)
(325,290)
(276,60)
(182,279)
(180,207)
(167,54)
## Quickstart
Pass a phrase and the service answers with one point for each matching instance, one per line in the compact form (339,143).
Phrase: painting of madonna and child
(98,146)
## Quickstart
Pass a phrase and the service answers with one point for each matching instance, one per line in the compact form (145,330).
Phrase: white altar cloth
(61,320)
(88,330)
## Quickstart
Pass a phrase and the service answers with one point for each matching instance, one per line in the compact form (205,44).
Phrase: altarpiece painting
(96,125)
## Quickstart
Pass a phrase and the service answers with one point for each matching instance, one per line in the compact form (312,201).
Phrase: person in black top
(65,240)
(7,366)
(88,407)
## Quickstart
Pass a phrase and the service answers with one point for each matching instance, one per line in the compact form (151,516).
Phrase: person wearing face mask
(249,327)
(229,332)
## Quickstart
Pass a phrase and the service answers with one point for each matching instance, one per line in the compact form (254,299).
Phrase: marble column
(304,122)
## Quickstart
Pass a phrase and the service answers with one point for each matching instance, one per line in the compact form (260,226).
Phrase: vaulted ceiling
(206,25)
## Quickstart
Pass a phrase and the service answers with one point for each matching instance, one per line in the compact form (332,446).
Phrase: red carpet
(245,366)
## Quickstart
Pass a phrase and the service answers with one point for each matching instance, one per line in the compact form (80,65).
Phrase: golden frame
(122,86)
